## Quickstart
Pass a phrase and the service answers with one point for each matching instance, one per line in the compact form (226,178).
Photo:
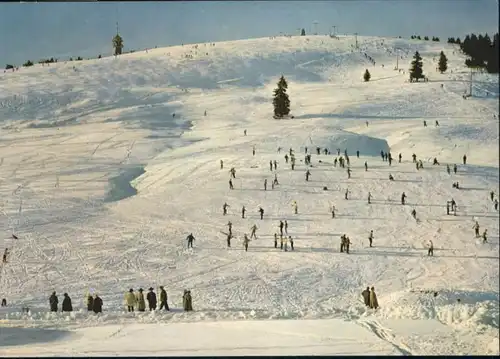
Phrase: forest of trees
(426,38)
(482,51)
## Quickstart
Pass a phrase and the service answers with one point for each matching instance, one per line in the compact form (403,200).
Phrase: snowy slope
(102,184)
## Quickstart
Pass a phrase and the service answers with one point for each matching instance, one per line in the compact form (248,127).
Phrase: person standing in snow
(400,157)
(243,210)
(130,300)
(246,240)
(232,173)
(373,299)
(366,296)
(369,198)
(366,166)
(485,239)
(476,229)
(5,255)
(464,159)
(333,211)
(346,196)
(307,175)
(190,240)
(231,184)
(455,168)
(253,230)
(275,165)
(286,227)
(90,302)
(286,158)
(275,240)
(221,164)
(53,301)
(403,198)
(357,154)
(163,299)
(281,228)
(495,204)
(253,150)
(370,238)
(348,173)
(291,242)
(151,298)
(228,239)
(230,227)
(295,207)
(187,301)
(224,208)
(66,304)
(342,243)
(141,303)
(430,251)
(97,304)
(271,166)
(261,211)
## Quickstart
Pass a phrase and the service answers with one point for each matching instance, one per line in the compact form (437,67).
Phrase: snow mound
(465,308)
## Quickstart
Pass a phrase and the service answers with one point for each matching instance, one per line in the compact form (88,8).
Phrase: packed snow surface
(101,184)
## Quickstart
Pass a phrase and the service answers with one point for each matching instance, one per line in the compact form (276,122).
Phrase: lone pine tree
(367,76)
(281,102)
(416,70)
(443,62)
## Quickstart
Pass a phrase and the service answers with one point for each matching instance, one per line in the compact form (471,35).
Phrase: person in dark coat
(163,299)
(97,304)
(187,301)
(90,302)
(366,296)
(53,301)
(151,298)
(66,304)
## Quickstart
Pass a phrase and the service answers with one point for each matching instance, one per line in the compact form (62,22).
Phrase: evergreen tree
(426,38)
(303,32)
(443,62)
(281,102)
(28,63)
(367,76)
(418,37)
(118,44)
(416,70)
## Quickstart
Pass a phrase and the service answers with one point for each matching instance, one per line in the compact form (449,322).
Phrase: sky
(42,30)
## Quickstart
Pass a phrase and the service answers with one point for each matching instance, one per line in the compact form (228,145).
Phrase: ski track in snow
(66,134)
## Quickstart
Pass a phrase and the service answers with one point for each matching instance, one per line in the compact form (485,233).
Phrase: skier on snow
(190,240)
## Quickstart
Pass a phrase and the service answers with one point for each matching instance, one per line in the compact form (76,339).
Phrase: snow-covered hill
(102,184)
